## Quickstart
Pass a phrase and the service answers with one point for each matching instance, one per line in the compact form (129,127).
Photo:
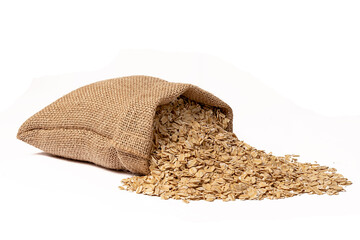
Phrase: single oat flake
(195,158)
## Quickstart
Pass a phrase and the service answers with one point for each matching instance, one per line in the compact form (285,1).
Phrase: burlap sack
(109,123)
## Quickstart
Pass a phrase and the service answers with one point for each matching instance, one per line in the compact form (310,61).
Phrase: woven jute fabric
(110,122)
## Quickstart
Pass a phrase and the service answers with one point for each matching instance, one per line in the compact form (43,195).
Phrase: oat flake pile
(194,158)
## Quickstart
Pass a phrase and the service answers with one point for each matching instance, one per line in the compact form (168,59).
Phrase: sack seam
(113,143)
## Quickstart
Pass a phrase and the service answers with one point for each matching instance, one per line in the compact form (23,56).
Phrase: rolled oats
(195,158)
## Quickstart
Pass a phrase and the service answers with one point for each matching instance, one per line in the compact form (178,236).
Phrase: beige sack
(109,123)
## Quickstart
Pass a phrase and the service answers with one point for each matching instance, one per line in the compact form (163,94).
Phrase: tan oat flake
(194,158)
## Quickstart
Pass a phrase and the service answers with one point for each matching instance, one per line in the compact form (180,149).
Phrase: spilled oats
(194,158)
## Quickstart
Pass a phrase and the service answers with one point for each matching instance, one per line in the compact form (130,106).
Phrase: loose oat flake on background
(195,158)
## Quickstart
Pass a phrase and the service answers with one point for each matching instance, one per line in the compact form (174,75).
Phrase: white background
(289,69)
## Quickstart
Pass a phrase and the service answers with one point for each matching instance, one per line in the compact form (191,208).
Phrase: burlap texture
(109,123)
